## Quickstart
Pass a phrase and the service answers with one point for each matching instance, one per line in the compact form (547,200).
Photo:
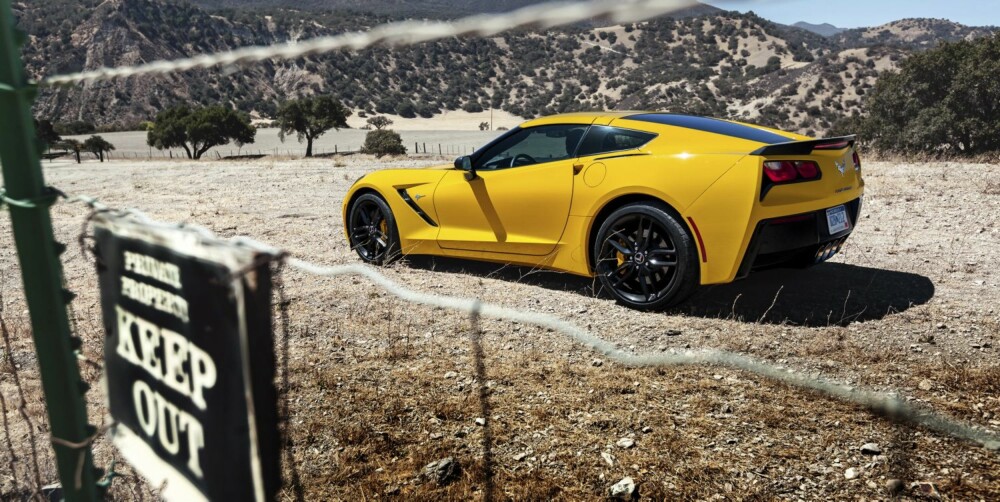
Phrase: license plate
(836,220)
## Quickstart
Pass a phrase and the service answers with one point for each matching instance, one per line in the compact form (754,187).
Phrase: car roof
(654,120)
(578,118)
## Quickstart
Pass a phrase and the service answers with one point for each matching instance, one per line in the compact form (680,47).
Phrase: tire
(645,257)
(372,230)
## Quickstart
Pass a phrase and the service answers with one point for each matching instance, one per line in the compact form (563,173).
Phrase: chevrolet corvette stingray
(653,204)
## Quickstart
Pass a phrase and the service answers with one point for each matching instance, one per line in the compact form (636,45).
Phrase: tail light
(836,145)
(857,162)
(785,171)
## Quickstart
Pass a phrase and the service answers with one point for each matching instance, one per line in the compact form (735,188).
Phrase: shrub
(382,142)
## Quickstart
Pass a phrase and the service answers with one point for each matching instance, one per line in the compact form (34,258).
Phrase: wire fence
(414,149)
(889,406)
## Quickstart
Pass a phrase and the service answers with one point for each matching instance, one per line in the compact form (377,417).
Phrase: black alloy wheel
(373,231)
(645,257)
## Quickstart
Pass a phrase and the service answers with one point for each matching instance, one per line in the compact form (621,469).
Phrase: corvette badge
(841,166)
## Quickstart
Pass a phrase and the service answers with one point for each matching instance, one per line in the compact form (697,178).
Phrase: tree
(74,128)
(71,145)
(407,109)
(97,146)
(381,142)
(944,98)
(310,118)
(484,126)
(197,130)
(379,122)
(45,132)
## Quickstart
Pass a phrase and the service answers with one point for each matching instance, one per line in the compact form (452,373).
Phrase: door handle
(577,168)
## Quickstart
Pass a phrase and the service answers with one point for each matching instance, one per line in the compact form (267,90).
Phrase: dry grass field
(379,388)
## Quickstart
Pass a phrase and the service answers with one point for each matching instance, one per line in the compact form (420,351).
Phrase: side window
(531,146)
(603,139)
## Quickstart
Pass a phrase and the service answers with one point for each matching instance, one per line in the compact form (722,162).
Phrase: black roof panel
(714,126)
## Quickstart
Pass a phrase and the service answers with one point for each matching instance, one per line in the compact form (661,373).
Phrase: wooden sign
(189,359)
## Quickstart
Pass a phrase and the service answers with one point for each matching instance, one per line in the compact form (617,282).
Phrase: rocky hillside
(722,64)
(414,8)
(421,8)
(911,34)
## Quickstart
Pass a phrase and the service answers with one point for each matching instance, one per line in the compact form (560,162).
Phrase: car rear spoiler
(806,147)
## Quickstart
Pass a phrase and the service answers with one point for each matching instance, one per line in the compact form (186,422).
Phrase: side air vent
(413,205)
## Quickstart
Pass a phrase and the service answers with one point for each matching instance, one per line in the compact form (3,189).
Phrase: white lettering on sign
(191,382)
(168,423)
(152,296)
(146,266)
(165,355)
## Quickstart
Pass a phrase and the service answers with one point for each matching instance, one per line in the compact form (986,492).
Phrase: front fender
(387,184)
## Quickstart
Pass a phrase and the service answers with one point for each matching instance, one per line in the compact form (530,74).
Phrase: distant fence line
(218,154)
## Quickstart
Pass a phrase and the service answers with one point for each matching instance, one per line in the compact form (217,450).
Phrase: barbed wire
(397,34)
(889,406)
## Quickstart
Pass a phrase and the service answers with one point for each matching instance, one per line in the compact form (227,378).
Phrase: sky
(858,13)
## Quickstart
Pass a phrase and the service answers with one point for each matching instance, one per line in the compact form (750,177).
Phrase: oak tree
(198,130)
(98,146)
(379,122)
(310,118)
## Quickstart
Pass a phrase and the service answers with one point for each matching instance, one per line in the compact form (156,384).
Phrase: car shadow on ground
(824,295)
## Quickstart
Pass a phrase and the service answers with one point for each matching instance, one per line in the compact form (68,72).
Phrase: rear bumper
(795,240)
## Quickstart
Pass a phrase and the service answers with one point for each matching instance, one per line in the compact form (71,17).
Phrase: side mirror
(465,163)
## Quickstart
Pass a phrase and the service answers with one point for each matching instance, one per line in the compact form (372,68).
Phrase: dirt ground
(379,388)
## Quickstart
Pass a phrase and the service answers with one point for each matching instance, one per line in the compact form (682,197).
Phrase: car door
(519,201)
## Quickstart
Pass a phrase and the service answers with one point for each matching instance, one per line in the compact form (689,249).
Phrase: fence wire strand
(398,34)
(888,406)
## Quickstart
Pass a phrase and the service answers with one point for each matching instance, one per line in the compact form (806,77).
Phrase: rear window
(603,139)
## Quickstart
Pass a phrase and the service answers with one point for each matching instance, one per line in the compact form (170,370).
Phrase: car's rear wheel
(645,257)
(372,230)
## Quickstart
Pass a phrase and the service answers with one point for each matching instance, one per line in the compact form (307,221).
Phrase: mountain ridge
(725,64)
(823,29)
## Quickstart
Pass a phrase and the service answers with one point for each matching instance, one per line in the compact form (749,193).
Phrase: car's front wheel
(645,257)
(372,230)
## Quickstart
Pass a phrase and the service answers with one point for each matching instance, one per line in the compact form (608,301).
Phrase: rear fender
(722,215)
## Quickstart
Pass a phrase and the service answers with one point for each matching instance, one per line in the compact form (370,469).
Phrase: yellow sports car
(653,204)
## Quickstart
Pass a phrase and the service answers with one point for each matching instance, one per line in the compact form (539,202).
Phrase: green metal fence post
(41,270)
